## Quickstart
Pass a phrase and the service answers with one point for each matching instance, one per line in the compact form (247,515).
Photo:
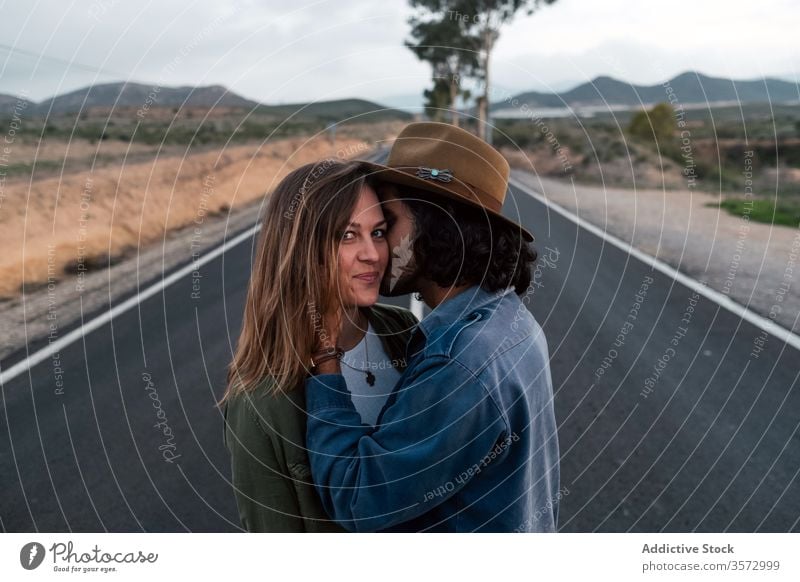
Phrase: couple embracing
(342,414)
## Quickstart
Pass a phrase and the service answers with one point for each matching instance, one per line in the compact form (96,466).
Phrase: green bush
(657,124)
(785,213)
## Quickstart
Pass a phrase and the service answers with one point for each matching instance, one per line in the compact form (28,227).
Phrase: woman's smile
(370,278)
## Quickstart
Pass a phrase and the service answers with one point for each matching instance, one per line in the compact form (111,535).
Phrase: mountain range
(688,88)
(138,95)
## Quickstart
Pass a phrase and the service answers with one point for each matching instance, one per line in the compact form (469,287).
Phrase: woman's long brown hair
(294,274)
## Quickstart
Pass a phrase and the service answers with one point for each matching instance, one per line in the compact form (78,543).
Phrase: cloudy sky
(281,52)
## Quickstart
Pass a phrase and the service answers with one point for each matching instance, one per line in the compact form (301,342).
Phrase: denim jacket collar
(459,307)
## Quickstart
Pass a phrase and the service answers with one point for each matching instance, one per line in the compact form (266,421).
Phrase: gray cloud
(321,49)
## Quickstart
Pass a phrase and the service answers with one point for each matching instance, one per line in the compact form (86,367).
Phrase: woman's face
(363,252)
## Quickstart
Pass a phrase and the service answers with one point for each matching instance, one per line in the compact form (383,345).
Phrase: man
(467,439)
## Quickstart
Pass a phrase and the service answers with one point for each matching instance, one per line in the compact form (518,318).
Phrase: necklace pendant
(370,378)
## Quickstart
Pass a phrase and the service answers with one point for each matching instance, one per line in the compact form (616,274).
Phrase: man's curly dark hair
(456,245)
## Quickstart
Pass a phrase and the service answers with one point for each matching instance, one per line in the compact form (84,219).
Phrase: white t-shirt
(369,400)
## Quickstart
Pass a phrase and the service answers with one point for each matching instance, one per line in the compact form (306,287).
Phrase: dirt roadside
(182,220)
(753,263)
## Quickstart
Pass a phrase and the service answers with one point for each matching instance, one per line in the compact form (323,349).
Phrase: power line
(14,50)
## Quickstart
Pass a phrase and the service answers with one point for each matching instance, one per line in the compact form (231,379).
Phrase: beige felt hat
(450,162)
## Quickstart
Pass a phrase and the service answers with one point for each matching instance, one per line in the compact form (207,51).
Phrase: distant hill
(8,103)
(137,94)
(336,111)
(689,88)
(132,96)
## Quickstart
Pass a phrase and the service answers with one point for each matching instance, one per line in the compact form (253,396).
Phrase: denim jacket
(466,441)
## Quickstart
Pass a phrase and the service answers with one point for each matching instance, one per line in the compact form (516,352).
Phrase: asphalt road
(668,420)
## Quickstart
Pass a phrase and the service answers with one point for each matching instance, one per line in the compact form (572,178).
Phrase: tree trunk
(481,116)
(486,115)
(453,99)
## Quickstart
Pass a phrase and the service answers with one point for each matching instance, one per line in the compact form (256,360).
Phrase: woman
(322,247)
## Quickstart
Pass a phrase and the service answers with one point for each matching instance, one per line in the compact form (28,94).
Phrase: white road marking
(416,306)
(56,346)
(761,322)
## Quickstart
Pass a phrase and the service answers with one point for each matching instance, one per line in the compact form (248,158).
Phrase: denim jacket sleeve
(428,444)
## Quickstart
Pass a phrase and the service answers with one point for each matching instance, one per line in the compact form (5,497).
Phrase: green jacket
(265,435)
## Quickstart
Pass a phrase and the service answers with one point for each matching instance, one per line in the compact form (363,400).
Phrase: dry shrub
(85,218)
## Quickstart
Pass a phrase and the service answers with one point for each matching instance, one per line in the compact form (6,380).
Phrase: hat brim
(399,177)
